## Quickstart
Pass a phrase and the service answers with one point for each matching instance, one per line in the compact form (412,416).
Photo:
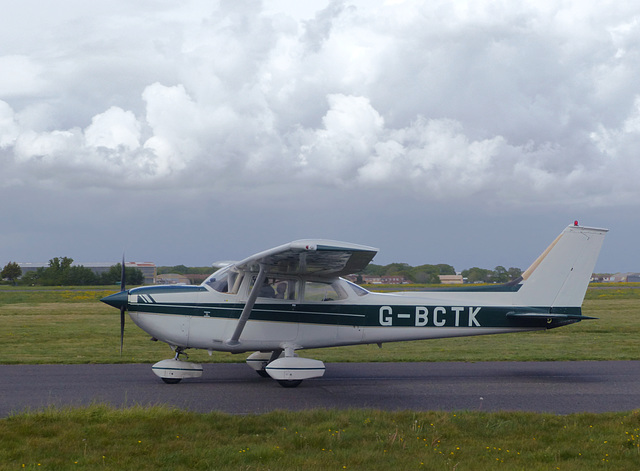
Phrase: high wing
(318,257)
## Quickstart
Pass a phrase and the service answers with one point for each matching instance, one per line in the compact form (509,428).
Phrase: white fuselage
(206,318)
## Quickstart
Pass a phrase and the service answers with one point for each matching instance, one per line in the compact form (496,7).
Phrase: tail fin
(560,276)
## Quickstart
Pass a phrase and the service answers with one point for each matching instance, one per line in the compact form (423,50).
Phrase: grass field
(71,326)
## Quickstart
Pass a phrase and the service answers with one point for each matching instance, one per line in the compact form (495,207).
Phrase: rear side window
(319,292)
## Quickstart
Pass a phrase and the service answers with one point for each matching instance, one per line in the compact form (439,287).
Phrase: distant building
(365,279)
(393,280)
(148,269)
(377,280)
(451,279)
(27,267)
(196,279)
(172,279)
(624,278)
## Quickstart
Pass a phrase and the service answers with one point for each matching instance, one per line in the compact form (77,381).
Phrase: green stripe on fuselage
(369,316)
(167,289)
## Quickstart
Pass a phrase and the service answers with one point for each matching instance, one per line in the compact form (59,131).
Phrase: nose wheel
(172,380)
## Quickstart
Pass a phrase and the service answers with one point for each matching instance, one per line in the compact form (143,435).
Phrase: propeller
(123,307)
(120,301)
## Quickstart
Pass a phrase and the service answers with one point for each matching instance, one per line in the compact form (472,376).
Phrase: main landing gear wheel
(171,380)
(263,373)
(289,383)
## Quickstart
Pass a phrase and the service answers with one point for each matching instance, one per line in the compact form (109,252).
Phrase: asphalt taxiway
(555,387)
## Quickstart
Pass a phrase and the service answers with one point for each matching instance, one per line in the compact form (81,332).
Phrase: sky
(461,132)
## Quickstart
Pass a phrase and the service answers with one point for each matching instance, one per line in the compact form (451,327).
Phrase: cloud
(351,128)
(112,129)
(436,100)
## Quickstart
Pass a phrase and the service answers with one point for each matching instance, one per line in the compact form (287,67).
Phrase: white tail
(560,276)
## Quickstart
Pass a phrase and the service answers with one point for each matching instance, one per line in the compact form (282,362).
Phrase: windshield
(224,280)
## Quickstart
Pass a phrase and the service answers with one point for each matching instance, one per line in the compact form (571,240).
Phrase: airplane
(293,297)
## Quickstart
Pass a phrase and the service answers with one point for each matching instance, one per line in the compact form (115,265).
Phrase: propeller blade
(120,301)
(122,309)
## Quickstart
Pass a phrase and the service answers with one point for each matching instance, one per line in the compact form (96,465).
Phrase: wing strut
(246,312)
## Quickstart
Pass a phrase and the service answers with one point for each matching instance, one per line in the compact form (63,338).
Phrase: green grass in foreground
(159,438)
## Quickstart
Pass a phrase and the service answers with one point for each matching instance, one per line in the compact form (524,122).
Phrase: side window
(278,288)
(317,292)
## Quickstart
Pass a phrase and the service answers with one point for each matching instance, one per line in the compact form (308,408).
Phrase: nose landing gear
(172,371)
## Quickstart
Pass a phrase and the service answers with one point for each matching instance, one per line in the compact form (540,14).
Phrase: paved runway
(556,387)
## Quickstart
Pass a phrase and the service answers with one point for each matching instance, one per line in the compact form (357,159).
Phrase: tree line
(419,274)
(430,273)
(60,272)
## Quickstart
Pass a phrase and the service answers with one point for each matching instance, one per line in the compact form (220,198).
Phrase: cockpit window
(225,281)
(315,291)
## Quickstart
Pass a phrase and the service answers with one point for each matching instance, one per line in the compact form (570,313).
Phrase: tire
(289,383)
(172,380)
(263,373)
